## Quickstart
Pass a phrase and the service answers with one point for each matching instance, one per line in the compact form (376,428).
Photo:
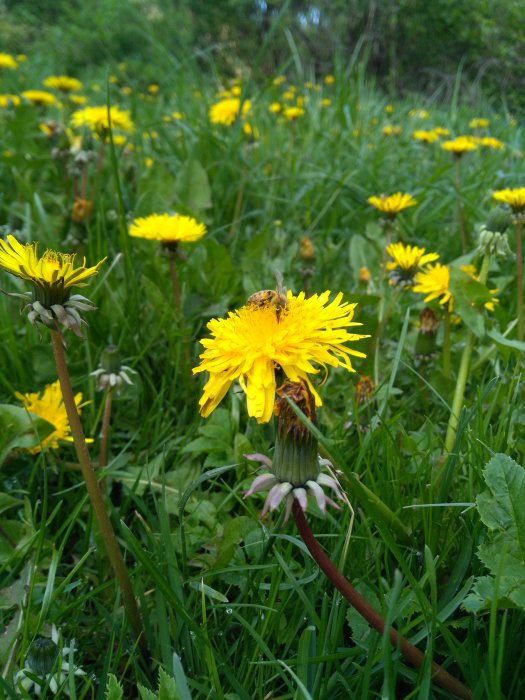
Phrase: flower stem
(412,653)
(446,343)
(95,495)
(459,393)
(519,276)
(104,432)
(175,280)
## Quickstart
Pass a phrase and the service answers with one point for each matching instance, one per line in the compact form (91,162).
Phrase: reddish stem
(412,653)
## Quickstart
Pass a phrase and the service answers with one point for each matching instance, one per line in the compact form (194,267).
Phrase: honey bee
(270,297)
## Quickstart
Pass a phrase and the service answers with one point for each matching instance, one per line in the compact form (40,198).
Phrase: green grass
(232,604)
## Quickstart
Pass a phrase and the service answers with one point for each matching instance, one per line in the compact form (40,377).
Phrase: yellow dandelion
(7,61)
(434,282)
(9,101)
(153,89)
(425,136)
(390,130)
(167,228)
(63,83)
(78,100)
(459,145)
(389,109)
(393,204)
(289,95)
(491,142)
(405,261)
(329,80)
(292,113)
(52,277)
(364,275)
(49,405)
(226,111)
(254,341)
(326,102)
(40,98)
(479,123)
(97,121)
(275,107)
(515,198)
(279,80)
(419,114)
(441,131)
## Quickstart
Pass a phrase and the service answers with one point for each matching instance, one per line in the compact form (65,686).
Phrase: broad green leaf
(503,552)
(470,297)
(507,342)
(20,430)
(193,187)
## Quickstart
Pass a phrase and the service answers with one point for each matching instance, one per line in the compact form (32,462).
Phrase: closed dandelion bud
(498,220)
(494,243)
(364,389)
(112,373)
(307,250)
(426,342)
(295,459)
(364,275)
(42,656)
(81,211)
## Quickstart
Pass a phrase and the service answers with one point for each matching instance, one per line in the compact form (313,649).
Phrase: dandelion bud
(426,345)
(295,458)
(81,211)
(42,655)
(364,390)
(498,220)
(364,275)
(112,374)
(494,243)
(307,250)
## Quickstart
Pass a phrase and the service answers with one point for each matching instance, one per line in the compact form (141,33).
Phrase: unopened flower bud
(42,656)
(112,374)
(498,220)
(426,341)
(494,243)
(364,275)
(81,211)
(307,250)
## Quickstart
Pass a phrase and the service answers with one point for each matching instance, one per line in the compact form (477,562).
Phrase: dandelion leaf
(193,187)
(470,297)
(503,552)
(114,689)
(20,430)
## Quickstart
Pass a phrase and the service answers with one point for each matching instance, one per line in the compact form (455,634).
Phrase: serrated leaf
(167,687)
(360,627)
(114,690)
(503,552)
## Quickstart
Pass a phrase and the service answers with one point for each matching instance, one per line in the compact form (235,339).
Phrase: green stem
(95,495)
(412,653)
(459,394)
(175,280)
(519,276)
(446,343)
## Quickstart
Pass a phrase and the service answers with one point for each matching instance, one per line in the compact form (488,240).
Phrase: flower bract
(167,228)
(253,342)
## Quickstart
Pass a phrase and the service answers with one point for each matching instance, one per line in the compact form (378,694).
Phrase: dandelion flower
(393,204)
(96,119)
(275,107)
(459,145)
(52,277)
(425,136)
(419,114)
(405,261)
(292,113)
(226,111)
(40,98)
(167,228)
(329,80)
(434,282)
(514,197)
(63,83)
(491,142)
(390,130)
(479,123)
(49,405)
(257,339)
(9,101)
(7,61)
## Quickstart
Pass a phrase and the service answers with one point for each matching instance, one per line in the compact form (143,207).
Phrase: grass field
(426,436)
